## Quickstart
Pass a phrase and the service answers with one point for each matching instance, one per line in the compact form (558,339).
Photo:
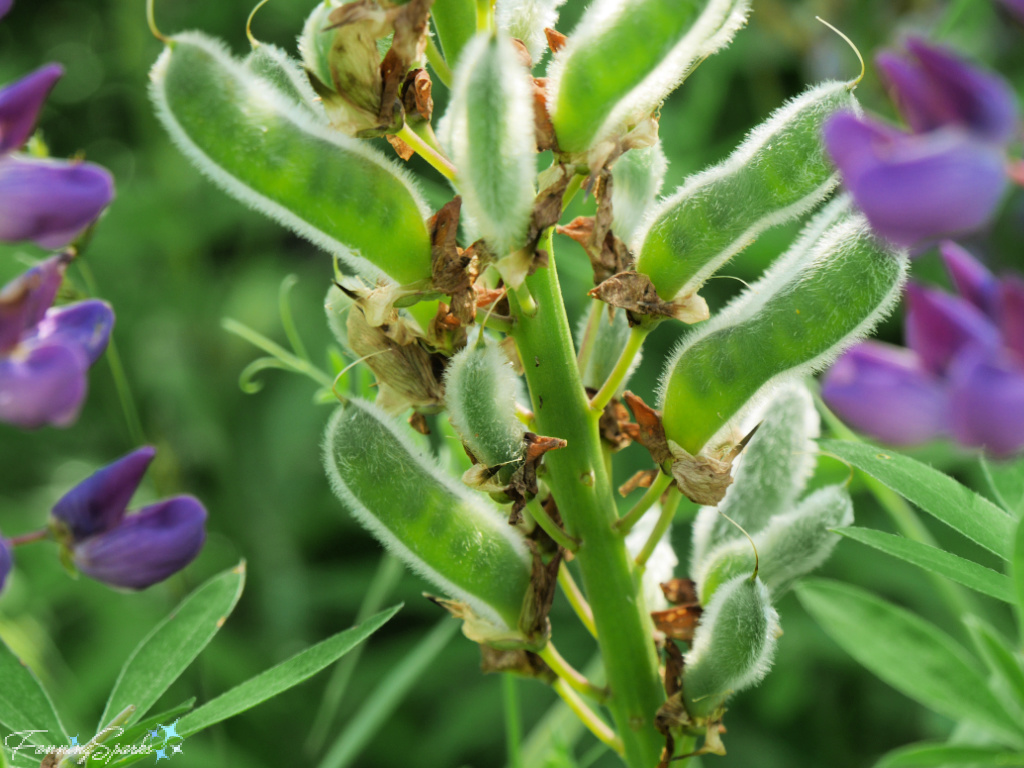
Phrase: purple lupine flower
(1016,7)
(962,376)
(47,201)
(130,551)
(5,6)
(46,351)
(948,174)
(6,562)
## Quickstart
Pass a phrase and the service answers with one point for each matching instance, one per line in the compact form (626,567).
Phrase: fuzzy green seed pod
(446,533)
(489,131)
(789,547)
(337,305)
(779,172)
(286,75)
(526,20)
(732,648)
(455,21)
(637,177)
(768,477)
(480,393)
(832,287)
(251,141)
(625,57)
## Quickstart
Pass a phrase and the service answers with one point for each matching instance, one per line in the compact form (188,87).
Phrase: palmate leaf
(939,495)
(910,654)
(25,704)
(962,571)
(173,644)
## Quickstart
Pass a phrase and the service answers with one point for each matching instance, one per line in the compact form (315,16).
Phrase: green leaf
(1017,572)
(937,755)
(998,655)
(908,653)
(134,735)
(939,495)
(387,696)
(173,644)
(456,24)
(25,704)
(1007,481)
(285,675)
(960,570)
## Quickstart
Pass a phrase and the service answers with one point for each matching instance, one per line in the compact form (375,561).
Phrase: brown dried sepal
(533,621)
(481,630)
(635,293)
(402,149)
(416,94)
(547,207)
(556,40)
(544,129)
(453,271)
(671,717)
(407,45)
(673,669)
(50,761)
(419,422)
(523,484)
(701,479)
(643,479)
(611,424)
(648,430)
(680,591)
(525,663)
(522,52)
(678,622)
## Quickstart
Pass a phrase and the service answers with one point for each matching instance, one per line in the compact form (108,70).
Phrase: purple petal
(50,201)
(1016,7)
(987,402)
(6,558)
(43,385)
(20,103)
(5,6)
(146,547)
(939,325)
(978,100)
(883,391)
(1011,314)
(85,325)
(98,503)
(970,277)
(918,101)
(24,300)
(914,188)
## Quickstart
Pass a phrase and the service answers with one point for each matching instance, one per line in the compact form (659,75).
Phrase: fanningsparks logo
(163,741)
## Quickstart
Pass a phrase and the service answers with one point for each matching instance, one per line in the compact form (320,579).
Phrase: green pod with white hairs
(732,648)
(446,533)
(337,305)
(768,477)
(625,57)
(527,20)
(830,289)
(251,141)
(637,177)
(779,172)
(287,76)
(489,132)
(480,394)
(789,547)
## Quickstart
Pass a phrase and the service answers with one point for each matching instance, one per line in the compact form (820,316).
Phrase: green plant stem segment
(668,512)
(621,369)
(625,524)
(572,677)
(583,490)
(513,726)
(576,599)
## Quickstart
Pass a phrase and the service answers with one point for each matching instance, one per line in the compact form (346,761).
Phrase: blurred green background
(174,255)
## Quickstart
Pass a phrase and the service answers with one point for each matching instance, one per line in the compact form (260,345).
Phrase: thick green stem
(661,483)
(583,490)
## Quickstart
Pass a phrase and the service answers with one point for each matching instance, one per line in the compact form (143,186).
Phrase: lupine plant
(455,309)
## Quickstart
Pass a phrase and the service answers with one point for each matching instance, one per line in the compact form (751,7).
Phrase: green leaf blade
(24,703)
(939,495)
(285,675)
(173,644)
(958,569)
(908,653)
(937,755)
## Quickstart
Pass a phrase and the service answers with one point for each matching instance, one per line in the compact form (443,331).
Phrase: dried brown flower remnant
(635,293)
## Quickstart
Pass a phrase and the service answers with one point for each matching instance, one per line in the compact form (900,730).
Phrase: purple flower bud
(914,188)
(45,352)
(20,103)
(130,551)
(6,558)
(987,401)
(935,89)
(883,391)
(970,278)
(50,201)
(939,325)
(1011,315)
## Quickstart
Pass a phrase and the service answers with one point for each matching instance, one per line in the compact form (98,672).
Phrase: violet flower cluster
(947,174)
(962,376)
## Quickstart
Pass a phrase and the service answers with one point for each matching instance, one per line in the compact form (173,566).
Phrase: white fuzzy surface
(526,20)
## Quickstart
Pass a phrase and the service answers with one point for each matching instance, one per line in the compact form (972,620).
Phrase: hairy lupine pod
(338,304)
(611,338)
(480,393)
(251,141)
(489,131)
(780,171)
(440,529)
(455,21)
(768,477)
(733,646)
(823,294)
(637,177)
(527,20)
(625,57)
(286,75)
(790,546)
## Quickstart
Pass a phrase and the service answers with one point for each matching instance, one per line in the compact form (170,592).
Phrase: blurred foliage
(174,256)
